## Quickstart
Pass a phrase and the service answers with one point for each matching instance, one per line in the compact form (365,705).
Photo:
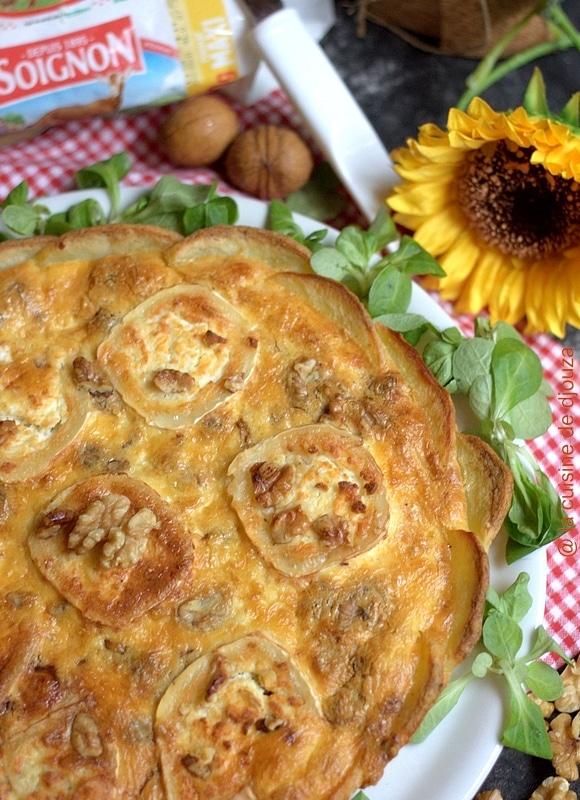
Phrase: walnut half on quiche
(242,543)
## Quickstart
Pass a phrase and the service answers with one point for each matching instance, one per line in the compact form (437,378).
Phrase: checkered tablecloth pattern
(48,164)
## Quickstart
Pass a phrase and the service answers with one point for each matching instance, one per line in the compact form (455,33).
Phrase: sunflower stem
(565,25)
(487,73)
(509,65)
(487,64)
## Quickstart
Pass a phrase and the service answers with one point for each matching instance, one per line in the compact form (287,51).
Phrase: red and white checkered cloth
(48,164)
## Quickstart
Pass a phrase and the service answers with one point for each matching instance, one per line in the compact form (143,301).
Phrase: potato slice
(309,497)
(231,714)
(112,548)
(41,412)
(279,252)
(179,355)
(488,484)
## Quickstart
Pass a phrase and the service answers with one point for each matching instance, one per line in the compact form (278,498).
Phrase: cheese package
(69,59)
(242,543)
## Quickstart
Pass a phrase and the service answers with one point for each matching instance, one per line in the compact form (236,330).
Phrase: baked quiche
(242,543)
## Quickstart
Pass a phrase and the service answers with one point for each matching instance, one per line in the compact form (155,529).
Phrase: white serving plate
(454,760)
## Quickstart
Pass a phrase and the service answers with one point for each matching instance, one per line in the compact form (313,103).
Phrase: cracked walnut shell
(269,162)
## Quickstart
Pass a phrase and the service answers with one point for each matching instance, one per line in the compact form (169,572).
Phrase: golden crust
(279,252)
(242,544)
(339,305)
(101,241)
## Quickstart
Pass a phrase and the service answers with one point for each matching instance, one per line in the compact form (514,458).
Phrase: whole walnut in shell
(199,130)
(268,161)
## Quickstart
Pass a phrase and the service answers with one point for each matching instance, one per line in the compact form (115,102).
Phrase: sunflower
(496,200)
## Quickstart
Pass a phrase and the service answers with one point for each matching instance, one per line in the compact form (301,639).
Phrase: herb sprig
(501,643)
(384,282)
(171,204)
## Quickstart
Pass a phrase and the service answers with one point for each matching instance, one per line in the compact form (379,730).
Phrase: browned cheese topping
(239,555)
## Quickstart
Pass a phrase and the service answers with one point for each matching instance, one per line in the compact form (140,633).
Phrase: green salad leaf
(281,219)
(20,215)
(383,283)
(502,379)
(181,207)
(320,197)
(106,175)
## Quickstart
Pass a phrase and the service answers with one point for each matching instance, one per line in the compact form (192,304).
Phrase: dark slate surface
(401,87)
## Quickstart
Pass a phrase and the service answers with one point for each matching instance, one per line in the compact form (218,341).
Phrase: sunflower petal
(423,199)
(507,302)
(458,264)
(438,233)
(484,278)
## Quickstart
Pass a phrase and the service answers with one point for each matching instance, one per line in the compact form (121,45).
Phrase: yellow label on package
(205,43)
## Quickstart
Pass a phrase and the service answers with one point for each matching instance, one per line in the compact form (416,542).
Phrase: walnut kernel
(173,381)
(205,612)
(201,763)
(569,700)
(545,706)
(84,736)
(554,788)
(565,747)
(123,534)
